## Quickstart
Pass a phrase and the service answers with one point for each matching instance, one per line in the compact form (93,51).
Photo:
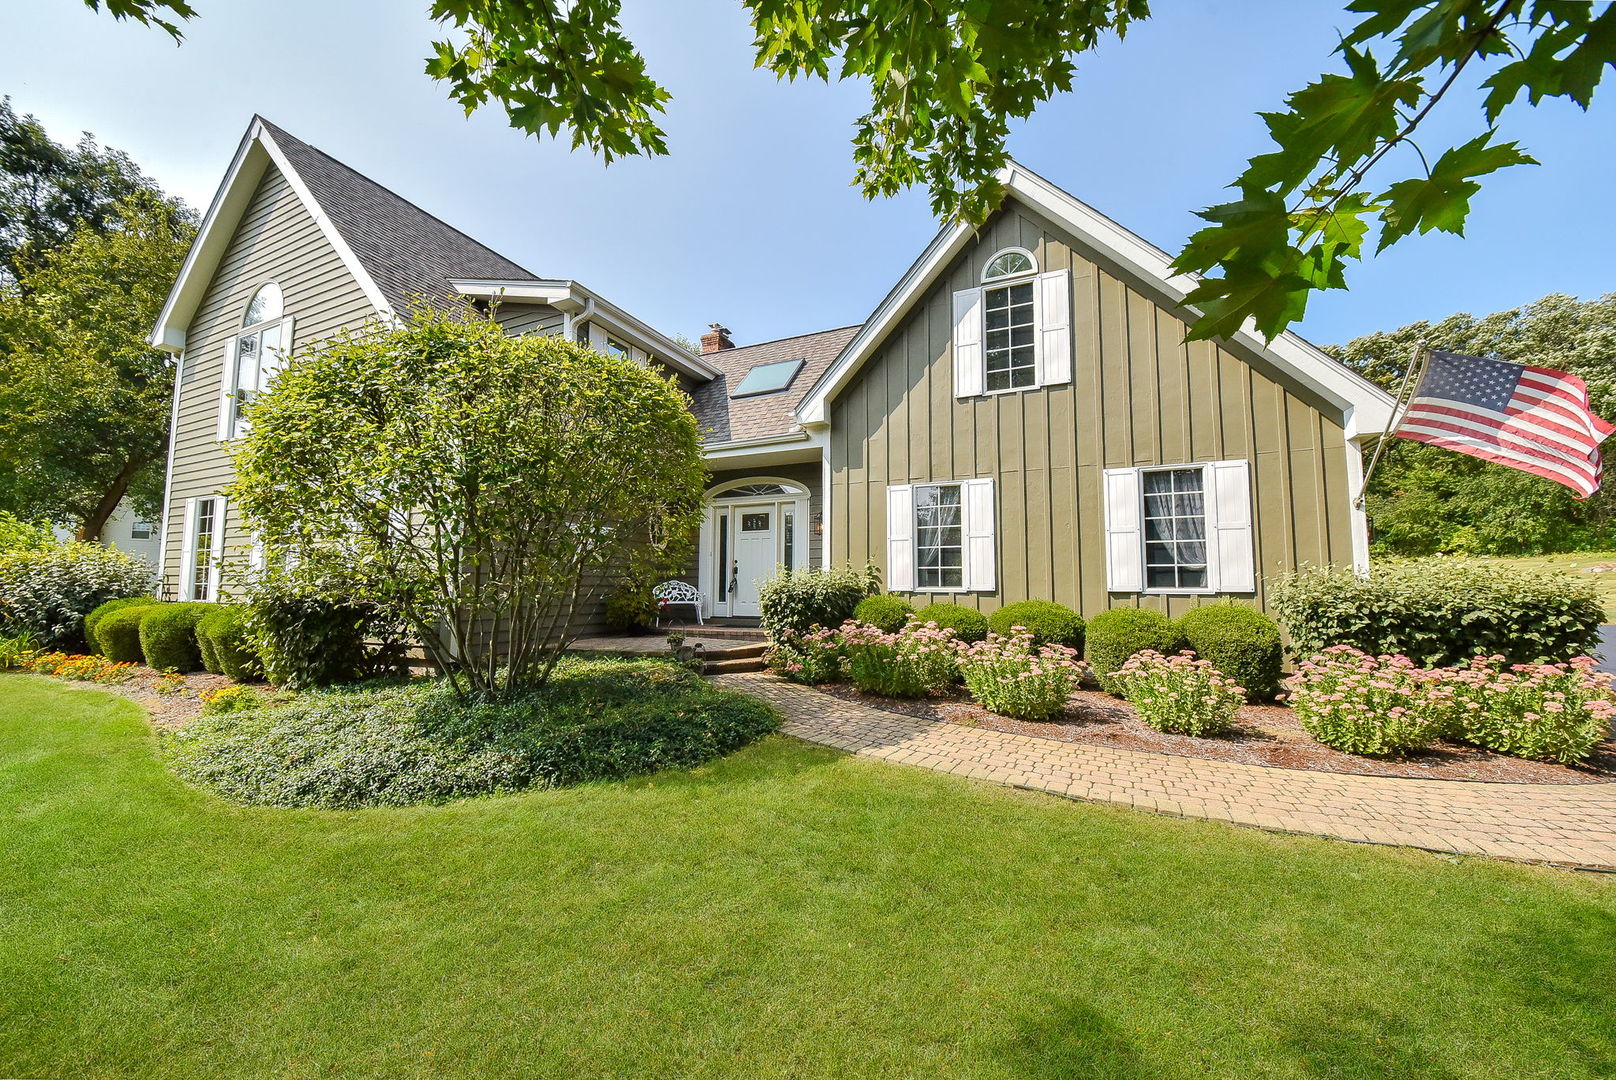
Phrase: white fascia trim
(1365,407)
(256,152)
(791,447)
(586,304)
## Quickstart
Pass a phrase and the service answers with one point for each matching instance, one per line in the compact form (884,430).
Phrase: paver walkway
(1567,824)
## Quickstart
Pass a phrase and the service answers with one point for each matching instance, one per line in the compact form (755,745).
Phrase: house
(1018,418)
(126,530)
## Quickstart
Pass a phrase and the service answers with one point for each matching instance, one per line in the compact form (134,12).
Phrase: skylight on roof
(767,378)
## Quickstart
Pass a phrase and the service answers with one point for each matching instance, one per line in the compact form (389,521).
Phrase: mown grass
(787,912)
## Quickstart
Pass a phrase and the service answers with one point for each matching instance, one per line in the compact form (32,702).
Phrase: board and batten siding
(277,240)
(1139,396)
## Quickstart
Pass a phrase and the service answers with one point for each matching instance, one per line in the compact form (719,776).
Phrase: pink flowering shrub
(1013,677)
(1373,705)
(1180,694)
(1385,704)
(1552,712)
(813,656)
(915,661)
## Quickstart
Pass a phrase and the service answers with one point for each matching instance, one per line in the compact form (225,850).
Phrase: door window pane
(939,537)
(755,522)
(1175,529)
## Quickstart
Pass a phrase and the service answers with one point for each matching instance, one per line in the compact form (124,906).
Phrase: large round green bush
(968,624)
(1240,642)
(222,638)
(1048,622)
(1441,611)
(414,743)
(48,591)
(93,619)
(117,634)
(168,636)
(885,612)
(1113,636)
(799,600)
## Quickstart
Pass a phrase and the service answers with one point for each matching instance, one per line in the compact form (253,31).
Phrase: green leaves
(150,12)
(1442,199)
(1304,213)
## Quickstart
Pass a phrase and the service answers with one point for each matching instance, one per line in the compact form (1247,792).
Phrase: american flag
(1530,418)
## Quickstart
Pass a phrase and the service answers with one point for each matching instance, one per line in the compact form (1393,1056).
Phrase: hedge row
(183,637)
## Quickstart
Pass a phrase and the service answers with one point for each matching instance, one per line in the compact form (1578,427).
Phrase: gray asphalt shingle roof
(723,418)
(407,252)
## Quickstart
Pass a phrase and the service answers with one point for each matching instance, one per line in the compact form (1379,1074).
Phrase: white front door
(755,554)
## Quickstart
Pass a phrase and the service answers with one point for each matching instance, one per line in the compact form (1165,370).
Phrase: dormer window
(253,357)
(767,378)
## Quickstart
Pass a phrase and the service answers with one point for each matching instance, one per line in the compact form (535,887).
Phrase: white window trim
(215,553)
(1051,326)
(979,544)
(1213,516)
(227,378)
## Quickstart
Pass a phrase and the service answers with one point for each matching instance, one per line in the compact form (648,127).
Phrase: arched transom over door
(754,527)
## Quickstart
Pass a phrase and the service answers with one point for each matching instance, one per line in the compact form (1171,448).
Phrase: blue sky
(751,221)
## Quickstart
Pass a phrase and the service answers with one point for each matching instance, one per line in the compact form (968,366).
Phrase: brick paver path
(1569,824)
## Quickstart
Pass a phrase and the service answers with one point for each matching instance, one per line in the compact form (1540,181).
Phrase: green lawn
(788,912)
(1573,564)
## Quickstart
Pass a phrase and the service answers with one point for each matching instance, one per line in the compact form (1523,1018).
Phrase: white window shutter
(981,554)
(968,373)
(597,337)
(900,538)
(273,364)
(227,389)
(1055,328)
(1124,542)
(188,552)
(1231,551)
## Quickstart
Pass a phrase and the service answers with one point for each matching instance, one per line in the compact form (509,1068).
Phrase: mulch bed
(1262,735)
(171,710)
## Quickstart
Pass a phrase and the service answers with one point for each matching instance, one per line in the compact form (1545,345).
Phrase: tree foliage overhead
(947,76)
(48,191)
(1425,500)
(484,490)
(84,398)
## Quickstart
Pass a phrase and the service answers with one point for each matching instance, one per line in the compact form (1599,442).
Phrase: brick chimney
(716,338)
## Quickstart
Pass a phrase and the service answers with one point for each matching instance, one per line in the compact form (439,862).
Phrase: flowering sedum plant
(1180,693)
(1009,675)
(915,661)
(1375,705)
(813,656)
(1552,712)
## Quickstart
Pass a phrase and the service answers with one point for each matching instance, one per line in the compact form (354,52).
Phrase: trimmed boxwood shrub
(222,638)
(800,600)
(1241,642)
(968,624)
(1113,636)
(1442,611)
(884,612)
(117,634)
(168,636)
(397,745)
(94,618)
(1048,622)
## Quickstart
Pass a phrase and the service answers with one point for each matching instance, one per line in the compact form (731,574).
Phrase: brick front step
(737,666)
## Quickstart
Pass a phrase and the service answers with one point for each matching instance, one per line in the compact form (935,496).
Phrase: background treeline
(1425,500)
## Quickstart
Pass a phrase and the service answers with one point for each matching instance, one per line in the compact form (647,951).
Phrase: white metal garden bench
(677,592)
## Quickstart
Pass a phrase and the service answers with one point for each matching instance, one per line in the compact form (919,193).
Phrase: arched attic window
(265,306)
(1011,262)
(253,357)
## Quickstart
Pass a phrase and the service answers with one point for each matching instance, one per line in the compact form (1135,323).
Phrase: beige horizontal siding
(277,240)
(1140,396)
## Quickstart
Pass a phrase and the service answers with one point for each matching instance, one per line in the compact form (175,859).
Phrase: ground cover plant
(404,743)
(1013,675)
(1183,693)
(752,916)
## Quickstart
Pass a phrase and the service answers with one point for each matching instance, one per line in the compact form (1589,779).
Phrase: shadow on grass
(1071,1041)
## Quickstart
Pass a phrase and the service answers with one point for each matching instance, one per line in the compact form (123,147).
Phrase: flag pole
(1399,409)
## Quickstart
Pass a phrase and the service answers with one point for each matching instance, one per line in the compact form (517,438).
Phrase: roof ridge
(792,337)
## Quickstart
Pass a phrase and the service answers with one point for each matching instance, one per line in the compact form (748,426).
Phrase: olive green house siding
(277,240)
(1138,396)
